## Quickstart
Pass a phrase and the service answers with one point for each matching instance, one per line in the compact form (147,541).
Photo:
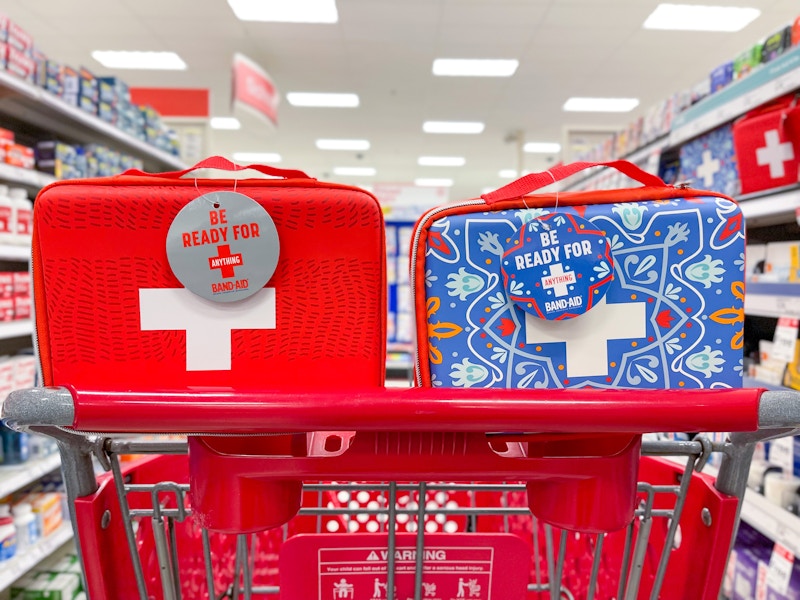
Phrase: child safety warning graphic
(355,567)
(223,246)
(557,266)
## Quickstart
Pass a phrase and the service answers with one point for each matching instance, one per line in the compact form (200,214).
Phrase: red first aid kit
(767,145)
(319,307)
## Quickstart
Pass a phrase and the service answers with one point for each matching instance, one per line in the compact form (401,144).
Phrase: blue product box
(3,56)
(709,162)
(121,91)
(721,76)
(87,105)
(52,149)
(106,92)
(40,70)
(92,166)
(107,112)
(71,82)
(88,86)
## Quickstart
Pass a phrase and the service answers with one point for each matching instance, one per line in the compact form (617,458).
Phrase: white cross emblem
(587,335)
(558,280)
(208,325)
(774,154)
(708,168)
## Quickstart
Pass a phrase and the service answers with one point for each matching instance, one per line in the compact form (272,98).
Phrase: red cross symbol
(225,261)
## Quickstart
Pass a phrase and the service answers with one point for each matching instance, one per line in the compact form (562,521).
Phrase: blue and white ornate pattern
(673,315)
(709,162)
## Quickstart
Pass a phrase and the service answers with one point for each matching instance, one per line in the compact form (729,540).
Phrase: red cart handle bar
(416,409)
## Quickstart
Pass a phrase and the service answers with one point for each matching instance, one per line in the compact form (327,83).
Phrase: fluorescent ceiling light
(691,17)
(433,182)
(355,171)
(453,127)
(123,59)
(225,123)
(441,161)
(257,157)
(507,173)
(343,144)
(317,99)
(283,11)
(601,104)
(542,147)
(484,67)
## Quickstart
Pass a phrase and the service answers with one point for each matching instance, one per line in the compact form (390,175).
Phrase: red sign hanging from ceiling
(253,89)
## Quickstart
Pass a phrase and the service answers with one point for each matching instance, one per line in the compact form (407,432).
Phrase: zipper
(35,334)
(413,275)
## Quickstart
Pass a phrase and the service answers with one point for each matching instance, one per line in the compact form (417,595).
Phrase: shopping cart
(215,514)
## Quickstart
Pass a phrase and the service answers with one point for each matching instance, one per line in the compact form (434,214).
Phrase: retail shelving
(647,157)
(41,109)
(772,300)
(770,208)
(25,177)
(772,80)
(32,556)
(12,329)
(9,252)
(16,477)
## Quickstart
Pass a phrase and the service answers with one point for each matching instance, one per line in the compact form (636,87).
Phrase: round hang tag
(557,266)
(223,246)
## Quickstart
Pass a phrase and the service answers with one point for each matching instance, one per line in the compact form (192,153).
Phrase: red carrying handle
(223,164)
(533,181)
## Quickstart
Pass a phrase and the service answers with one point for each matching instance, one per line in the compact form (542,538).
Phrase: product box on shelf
(22,307)
(120,91)
(748,60)
(24,371)
(796,32)
(40,67)
(776,44)
(88,85)
(55,150)
(22,283)
(87,105)
(71,85)
(19,39)
(54,77)
(21,156)
(20,64)
(767,142)
(107,112)
(721,76)
(701,89)
(709,162)
(6,284)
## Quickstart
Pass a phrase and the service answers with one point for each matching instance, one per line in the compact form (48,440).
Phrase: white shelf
(12,329)
(772,80)
(772,300)
(770,208)
(40,108)
(772,521)
(29,558)
(16,477)
(9,252)
(26,177)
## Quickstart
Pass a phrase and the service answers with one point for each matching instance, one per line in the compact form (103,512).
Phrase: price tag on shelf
(785,340)
(779,571)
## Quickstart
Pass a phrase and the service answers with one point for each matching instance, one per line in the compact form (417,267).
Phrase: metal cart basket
(144,531)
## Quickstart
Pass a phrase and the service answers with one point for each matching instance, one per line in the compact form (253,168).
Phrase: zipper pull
(683,185)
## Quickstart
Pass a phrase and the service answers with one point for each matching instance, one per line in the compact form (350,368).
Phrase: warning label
(449,573)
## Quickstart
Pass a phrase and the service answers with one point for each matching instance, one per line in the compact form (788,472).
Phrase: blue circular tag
(557,266)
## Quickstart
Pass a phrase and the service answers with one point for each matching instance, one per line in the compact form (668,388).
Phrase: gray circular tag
(223,246)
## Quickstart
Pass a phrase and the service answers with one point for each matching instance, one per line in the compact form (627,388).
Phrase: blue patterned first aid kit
(630,288)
